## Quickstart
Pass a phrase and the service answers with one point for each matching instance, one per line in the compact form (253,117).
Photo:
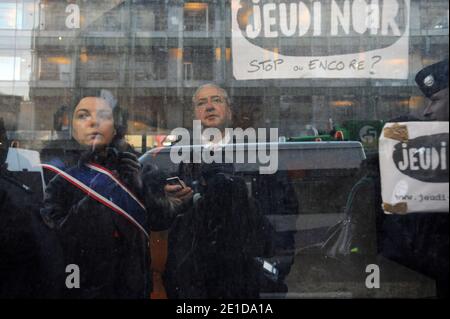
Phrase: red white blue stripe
(105,188)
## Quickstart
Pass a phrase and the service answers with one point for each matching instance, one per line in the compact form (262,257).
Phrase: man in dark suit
(214,243)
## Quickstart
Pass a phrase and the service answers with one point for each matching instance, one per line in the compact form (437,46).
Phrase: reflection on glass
(10,15)
(154,54)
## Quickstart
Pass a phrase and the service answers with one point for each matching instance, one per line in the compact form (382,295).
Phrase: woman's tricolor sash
(101,185)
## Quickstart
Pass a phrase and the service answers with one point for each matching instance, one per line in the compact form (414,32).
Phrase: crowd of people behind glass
(90,238)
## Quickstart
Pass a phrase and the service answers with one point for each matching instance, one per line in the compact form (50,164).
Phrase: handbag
(349,237)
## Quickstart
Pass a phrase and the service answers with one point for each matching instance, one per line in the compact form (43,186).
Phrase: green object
(366,132)
(325,138)
(354,250)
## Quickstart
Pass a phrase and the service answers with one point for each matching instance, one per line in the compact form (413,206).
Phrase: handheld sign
(414,160)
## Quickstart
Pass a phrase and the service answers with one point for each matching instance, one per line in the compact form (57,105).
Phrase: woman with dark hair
(64,153)
(101,209)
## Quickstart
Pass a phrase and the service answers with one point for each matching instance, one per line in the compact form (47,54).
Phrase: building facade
(153,54)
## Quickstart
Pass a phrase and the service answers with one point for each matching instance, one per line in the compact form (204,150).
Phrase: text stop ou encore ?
(314,64)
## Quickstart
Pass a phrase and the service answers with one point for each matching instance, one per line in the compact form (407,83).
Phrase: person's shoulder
(60,144)
(60,153)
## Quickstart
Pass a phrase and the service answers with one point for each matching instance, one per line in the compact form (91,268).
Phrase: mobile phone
(174,181)
(270,269)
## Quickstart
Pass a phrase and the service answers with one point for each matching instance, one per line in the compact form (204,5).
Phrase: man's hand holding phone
(177,191)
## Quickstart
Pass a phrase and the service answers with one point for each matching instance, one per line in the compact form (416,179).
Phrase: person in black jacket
(101,210)
(19,260)
(19,249)
(420,241)
(217,244)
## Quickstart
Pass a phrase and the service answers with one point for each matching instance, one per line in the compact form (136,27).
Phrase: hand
(130,170)
(178,195)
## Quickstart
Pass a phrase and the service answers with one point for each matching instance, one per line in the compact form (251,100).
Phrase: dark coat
(29,256)
(421,242)
(18,245)
(214,239)
(111,253)
(275,196)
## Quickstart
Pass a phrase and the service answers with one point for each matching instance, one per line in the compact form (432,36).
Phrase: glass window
(198,16)
(53,16)
(151,64)
(105,18)
(436,17)
(198,63)
(100,67)
(325,77)
(8,15)
(16,67)
(20,15)
(55,67)
(150,17)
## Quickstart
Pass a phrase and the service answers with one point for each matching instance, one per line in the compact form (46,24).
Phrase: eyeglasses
(214,100)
